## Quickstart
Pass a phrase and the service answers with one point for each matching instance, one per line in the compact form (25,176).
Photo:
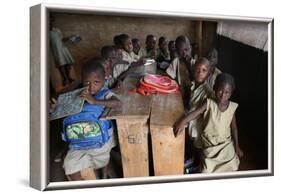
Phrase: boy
(199,91)
(180,68)
(90,139)
(212,56)
(150,51)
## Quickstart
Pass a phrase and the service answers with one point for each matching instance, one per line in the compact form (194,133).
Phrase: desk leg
(168,151)
(132,135)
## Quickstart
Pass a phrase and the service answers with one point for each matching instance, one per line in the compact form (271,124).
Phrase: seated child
(172,50)
(90,139)
(180,68)
(163,55)
(137,49)
(127,51)
(198,93)
(212,56)
(150,50)
(219,137)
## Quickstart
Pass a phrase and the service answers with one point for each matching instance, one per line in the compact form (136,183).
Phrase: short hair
(116,41)
(202,60)
(135,40)
(171,42)
(149,36)
(211,52)
(122,38)
(93,65)
(161,40)
(224,78)
(182,40)
(106,51)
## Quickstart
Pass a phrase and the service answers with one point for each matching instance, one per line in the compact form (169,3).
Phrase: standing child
(213,58)
(90,139)
(198,93)
(220,147)
(180,68)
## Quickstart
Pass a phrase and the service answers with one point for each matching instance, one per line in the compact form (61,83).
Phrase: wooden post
(199,38)
(168,150)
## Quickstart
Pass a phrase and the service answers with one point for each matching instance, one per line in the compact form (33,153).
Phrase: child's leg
(68,67)
(105,172)
(84,174)
(63,72)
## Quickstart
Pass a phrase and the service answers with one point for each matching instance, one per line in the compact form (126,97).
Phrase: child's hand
(86,95)
(52,105)
(179,127)
(239,152)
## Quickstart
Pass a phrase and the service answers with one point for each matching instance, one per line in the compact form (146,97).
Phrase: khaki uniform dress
(218,148)
(197,96)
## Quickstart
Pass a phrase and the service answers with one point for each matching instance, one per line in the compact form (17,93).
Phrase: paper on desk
(149,62)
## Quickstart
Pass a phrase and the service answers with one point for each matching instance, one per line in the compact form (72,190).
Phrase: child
(150,51)
(180,68)
(172,50)
(213,58)
(60,52)
(127,51)
(163,55)
(163,50)
(137,49)
(108,60)
(220,147)
(90,139)
(198,93)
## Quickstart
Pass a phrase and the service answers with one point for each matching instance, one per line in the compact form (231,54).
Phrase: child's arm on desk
(111,102)
(189,117)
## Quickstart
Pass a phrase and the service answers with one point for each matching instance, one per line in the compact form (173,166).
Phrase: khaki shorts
(95,158)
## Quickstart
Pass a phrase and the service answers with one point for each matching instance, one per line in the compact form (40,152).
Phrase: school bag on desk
(156,84)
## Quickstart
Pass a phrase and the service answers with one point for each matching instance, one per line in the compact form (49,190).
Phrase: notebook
(68,104)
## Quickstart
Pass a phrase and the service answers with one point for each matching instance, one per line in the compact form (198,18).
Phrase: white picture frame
(39,133)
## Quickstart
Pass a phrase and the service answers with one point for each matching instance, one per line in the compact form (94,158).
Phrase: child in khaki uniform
(219,137)
(198,93)
(212,56)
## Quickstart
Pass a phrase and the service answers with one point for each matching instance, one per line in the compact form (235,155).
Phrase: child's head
(109,53)
(150,41)
(136,45)
(195,48)
(201,70)
(224,87)
(212,56)
(183,46)
(163,43)
(116,41)
(126,42)
(172,45)
(93,75)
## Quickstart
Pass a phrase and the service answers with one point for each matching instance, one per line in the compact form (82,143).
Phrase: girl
(220,148)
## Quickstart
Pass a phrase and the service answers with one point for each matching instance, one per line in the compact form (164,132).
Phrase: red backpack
(156,84)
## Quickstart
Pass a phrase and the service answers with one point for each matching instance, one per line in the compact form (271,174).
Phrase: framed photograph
(145,146)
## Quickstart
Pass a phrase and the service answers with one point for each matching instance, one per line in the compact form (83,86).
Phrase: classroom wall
(99,30)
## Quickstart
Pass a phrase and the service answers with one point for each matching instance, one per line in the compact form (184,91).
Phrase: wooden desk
(132,123)
(168,151)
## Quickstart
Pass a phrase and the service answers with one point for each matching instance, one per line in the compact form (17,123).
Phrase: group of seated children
(210,115)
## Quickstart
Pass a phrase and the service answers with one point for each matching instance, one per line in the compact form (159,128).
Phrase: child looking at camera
(219,137)
(90,139)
